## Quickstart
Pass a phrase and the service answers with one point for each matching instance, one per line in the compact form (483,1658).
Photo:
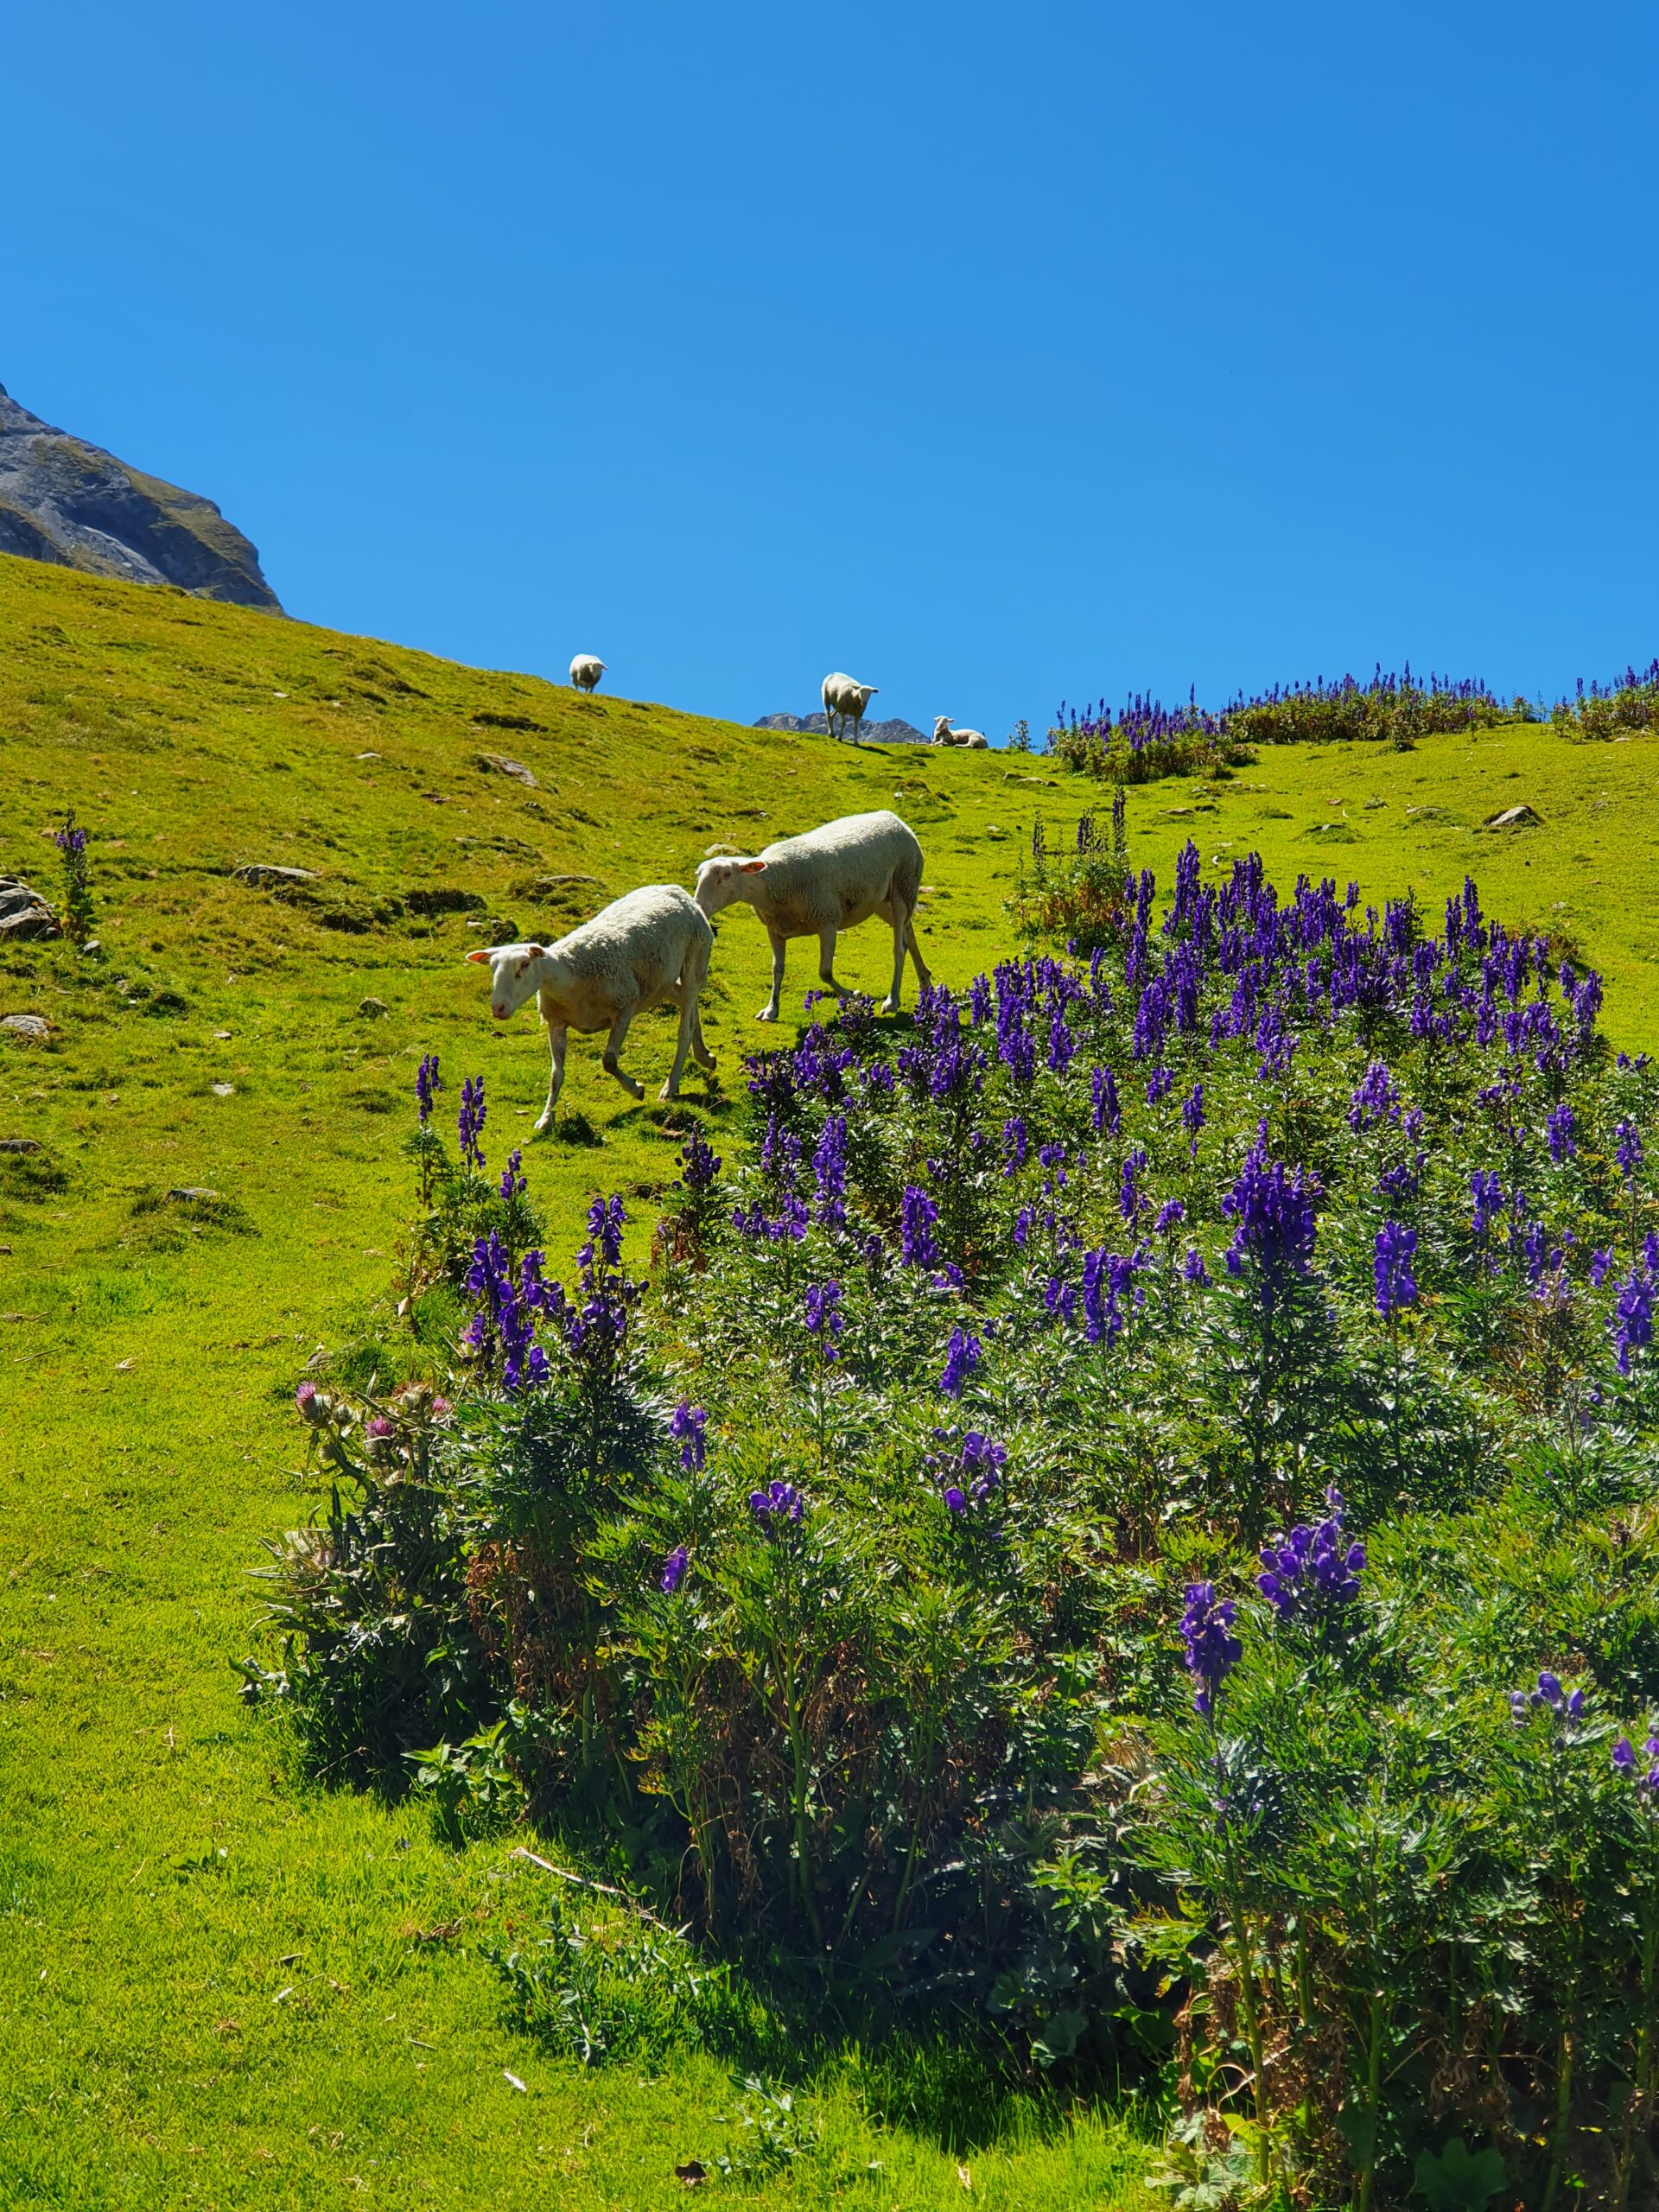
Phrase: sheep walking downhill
(829,880)
(648,946)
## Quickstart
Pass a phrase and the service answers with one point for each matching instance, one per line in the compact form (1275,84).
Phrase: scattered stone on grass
(373,1009)
(1514,818)
(20,1144)
(223,1090)
(497,764)
(266,875)
(25,1028)
(193,1194)
(24,914)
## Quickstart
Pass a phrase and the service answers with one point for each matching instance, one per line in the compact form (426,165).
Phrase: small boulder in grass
(373,1009)
(25,1028)
(193,1194)
(497,764)
(266,875)
(1514,818)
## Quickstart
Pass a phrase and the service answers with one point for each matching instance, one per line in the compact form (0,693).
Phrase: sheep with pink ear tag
(651,945)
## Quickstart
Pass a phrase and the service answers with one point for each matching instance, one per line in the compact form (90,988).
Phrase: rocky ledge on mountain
(888,733)
(68,502)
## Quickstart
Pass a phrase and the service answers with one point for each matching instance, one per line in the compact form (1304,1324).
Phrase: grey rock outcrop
(66,501)
(24,912)
(887,733)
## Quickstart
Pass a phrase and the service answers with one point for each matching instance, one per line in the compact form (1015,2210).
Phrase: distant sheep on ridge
(844,702)
(586,670)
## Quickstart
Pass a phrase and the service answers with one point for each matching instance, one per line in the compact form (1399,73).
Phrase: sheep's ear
(752,868)
(483,953)
(538,952)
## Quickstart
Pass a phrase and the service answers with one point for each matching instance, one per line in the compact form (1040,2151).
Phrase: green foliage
(597,1986)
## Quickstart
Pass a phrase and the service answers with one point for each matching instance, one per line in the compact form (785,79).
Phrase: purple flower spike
(673,1568)
(1213,1651)
(778,1505)
(687,1426)
(955,1499)
(428,1084)
(1395,1285)
(962,1358)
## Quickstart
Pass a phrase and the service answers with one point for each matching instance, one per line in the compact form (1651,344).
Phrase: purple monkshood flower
(503,1313)
(1212,1650)
(471,1119)
(513,1185)
(1488,1194)
(1558,1134)
(779,1504)
(1015,1142)
(1600,1265)
(1632,1322)
(428,1084)
(1170,1215)
(673,1568)
(1193,1269)
(917,1215)
(962,1358)
(71,840)
(1395,1285)
(1130,1200)
(1311,1570)
(1193,1116)
(605,1219)
(1160,1083)
(829,1168)
(699,1163)
(1627,1149)
(688,1425)
(1375,1100)
(1625,1761)
(1275,1209)
(824,1319)
(1565,1705)
(1105,1112)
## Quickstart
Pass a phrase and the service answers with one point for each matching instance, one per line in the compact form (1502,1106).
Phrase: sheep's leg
(682,1045)
(699,1049)
(769,1011)
(894,912)
(827,961)
(556,1038)
(922,975)
(612,1053)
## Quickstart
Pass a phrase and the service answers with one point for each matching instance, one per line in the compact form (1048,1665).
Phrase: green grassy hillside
(223,1986)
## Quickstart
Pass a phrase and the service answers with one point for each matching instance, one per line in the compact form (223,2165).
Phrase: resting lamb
(650,945)
(844,702)
(975,740)
(586,670)
(831,879)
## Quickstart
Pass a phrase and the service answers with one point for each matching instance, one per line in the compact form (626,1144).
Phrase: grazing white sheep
(586,670)
(652,944)
(844,702)
(829,880)
(975,740)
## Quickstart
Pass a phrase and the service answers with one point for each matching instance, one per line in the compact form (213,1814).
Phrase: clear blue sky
(995,354)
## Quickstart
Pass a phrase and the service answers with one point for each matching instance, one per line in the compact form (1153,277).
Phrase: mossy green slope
(305,2020)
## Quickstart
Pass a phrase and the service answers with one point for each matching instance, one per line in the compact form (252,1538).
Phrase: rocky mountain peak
(66,501)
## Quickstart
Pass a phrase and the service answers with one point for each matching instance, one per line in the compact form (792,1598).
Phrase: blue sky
(995,354)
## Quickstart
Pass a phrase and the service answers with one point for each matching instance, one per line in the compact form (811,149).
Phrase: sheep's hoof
(765,1014)
(668,1090)
(540,1129)
(889,1006)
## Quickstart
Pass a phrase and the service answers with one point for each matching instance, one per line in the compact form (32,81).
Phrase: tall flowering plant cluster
(1138,1404)
(71,840)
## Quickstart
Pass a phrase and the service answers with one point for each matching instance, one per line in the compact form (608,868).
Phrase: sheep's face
(941,729)
(515,974)
(721,881)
